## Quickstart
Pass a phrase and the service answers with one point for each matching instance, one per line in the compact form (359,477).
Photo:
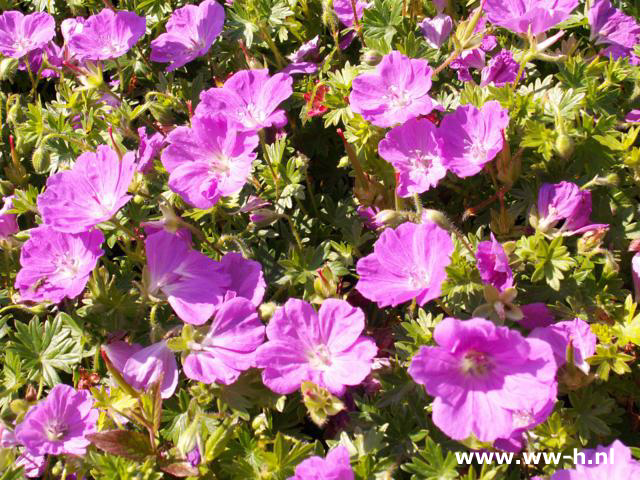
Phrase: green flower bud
(41,160)
(564,146)
(8,68)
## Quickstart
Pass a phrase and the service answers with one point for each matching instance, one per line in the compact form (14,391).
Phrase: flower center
(478,153)
(475,363)
(418,278)
(221,164)
(320,357)
(254,115)
(55,431)
(422,160)
(67,266)
(397,97)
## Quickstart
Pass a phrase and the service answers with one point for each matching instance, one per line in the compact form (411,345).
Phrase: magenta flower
(483,376)
(501,70)
(414,150)
(8,221)
(304,59)
(344,11)
(395,92)
(21,34)
(52,52)
(524,16)
(633,116)
(90,193)
(57,265)
(106,35)
(564,201)
(436,30)
(536,315)
(141,367)
(59,423)
(368,217)
(191,31)
(440,5)
(193,284)
(575,332)
(33,466)
(247,279)
(336,466)
(472,138)
(407,262)
(524,420)
(619,464)
(325,348)
(148,149)
(493,264)
(250,98)
(212,159)
(229,348)
(612,27)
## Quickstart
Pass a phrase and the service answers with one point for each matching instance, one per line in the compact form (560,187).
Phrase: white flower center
(475,363)
(422,160)
(397,97)
(319,357)
(67,266)
(418,278)
(221,164)
(55,430)
(478,153)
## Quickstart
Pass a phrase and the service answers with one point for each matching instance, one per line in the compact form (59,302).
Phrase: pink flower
(493,264)
(229,348)
(141,367)
(472,138)
(32,465)
(57,265)
(407,262)
(536,315)
(212,159)
(633,116)
(59,423)
(414,149)
(106,35)
(148,149)
(613,462)
(395,92)
(483,376)
(191,31)
(575,332)
(249,98)
(325,348)
(501,70)
(246,277)
(524,16)
(612,27)
(436,30)
(193,284)
(344,11)
(90,193)
(8,222)
(336,466)
(21,34)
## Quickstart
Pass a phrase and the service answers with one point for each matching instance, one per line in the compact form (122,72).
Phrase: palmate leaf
(431,464)
(46,348)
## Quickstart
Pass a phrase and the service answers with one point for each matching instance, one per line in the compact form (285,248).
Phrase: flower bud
(263,217)
(320,403)
(260,424)
(437,217)
(6,188)
(326,283)
(161,110)
(371,58)
(41,160)
(391,218)
(564,146)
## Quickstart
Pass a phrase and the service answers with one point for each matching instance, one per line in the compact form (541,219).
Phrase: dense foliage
(432,206)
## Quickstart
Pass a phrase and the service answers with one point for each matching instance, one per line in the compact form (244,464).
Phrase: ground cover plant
(316,239)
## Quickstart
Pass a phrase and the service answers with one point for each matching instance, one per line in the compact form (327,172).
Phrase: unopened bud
(371,58)
(6,188)
(161,110)
(263,217)
(564,146)
(40,160)
(391,218)
(325,284)
(260,424)
(591,241)
(437,217)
